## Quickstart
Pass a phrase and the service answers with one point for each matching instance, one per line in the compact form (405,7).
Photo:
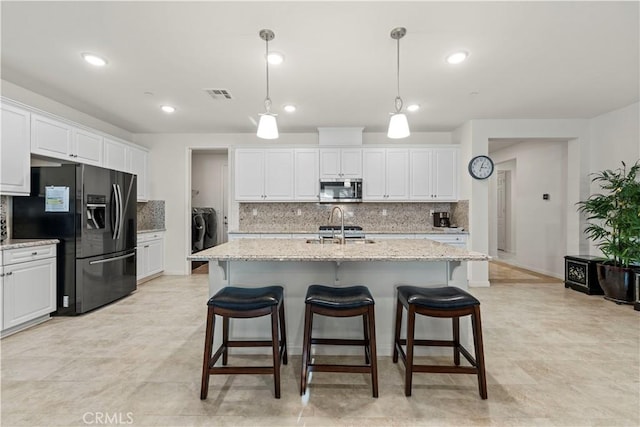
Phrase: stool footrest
(249,344)
(361,369)
(431,343)
(444,369)
(228,370)
(339,341)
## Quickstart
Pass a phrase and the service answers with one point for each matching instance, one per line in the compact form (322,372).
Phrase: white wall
(540,225)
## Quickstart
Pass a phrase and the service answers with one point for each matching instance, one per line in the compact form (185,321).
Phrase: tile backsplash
(4,203)
(381,217)
(151,215)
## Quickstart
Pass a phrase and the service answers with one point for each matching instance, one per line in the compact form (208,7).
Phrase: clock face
(481,167)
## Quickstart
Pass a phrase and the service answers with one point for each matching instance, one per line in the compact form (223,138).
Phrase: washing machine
(211,224)
(198,230)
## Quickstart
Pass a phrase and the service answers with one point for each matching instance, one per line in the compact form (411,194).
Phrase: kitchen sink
(336,241)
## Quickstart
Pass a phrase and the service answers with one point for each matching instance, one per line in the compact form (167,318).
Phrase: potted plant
(613,218)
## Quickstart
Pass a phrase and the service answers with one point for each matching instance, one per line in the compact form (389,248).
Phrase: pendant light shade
(268,125)
(398,124)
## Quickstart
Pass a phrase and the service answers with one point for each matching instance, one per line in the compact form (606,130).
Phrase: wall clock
(481,167)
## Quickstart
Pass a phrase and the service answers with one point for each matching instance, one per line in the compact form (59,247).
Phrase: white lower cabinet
(28,279)
(149,255)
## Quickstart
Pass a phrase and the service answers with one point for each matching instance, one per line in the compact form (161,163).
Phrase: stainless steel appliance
(341,190)
(92,211)
(441,219)
(204,229)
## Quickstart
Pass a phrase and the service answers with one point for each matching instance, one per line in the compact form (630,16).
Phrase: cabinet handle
(34,253)
(1,274)
(9,273)
(70,155)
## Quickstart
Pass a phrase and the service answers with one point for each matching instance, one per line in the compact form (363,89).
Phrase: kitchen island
(297,263)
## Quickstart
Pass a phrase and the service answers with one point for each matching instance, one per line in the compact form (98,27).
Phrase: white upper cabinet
(307,174)
(138,160)
(53,138)
(434,174)
(385,174)
(50,138)
(264,175)
(340,163)
(15,156)
(87,147)
(116,155)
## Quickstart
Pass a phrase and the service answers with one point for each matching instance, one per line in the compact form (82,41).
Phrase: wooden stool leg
(275,350)
(372,349)
(306,348)
(283,333)
(225,340)
(411,326)
(365,328)
(396,340)
(456,340)
(208,344)
(477,342)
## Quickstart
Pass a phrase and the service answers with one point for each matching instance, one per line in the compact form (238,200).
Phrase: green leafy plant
(614,215)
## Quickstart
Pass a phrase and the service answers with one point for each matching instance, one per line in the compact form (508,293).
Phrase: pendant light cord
(398,100)
(267,101)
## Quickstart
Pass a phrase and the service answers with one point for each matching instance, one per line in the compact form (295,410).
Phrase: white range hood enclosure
(340,136)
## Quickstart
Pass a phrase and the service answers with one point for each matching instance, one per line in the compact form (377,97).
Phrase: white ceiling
(527,60)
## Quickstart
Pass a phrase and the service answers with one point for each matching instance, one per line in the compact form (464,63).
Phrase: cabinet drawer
(146,237)
(14,256)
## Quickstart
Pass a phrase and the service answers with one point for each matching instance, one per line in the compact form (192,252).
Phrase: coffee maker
(441,219)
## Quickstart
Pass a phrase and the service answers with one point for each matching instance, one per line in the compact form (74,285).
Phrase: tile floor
(555,357)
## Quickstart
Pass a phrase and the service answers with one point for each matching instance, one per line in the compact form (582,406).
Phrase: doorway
(209,201)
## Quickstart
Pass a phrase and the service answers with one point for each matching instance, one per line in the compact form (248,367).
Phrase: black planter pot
(617,283)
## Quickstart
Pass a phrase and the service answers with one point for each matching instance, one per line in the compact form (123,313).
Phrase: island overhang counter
(297,263)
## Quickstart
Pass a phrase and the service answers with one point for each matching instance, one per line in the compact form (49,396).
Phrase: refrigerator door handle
(121,209)
(102,261)
(116,226)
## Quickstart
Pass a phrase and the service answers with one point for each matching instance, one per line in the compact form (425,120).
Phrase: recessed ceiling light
(168,108)
(456,58)
(290,108)
(275,58)
(94,59)
(413,107)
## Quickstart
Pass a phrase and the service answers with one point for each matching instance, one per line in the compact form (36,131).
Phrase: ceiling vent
(219,94)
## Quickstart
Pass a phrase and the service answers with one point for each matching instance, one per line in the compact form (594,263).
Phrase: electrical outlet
(349,214)
(254,212)
(299,212)
(384,212)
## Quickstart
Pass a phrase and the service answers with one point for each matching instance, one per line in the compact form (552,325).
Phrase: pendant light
(268,126)
(398,124)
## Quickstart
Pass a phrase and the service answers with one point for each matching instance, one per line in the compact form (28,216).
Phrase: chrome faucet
(340,236)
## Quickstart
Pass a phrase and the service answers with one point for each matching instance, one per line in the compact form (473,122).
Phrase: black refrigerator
(92,211)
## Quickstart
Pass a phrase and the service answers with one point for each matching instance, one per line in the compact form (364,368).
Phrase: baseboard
(479,283)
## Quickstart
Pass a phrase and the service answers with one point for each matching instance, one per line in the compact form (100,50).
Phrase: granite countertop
(26,243)
(300,250)
(151,230)
(434,230)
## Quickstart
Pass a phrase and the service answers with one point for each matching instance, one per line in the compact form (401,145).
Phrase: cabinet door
(373,174)
(50,138)
(397,174)
(142,254)
(155,256)
(249,175)
(307,175)
(278,175)
(138,165)
(420,181)
(329,163)
(15,155)
(445,173)
(351,163)
(29,291)
(87,147)
(115,155)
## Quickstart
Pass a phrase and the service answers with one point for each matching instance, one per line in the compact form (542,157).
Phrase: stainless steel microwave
(341,190)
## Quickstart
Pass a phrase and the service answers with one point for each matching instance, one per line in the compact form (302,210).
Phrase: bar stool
(447,301)
(234,302)
(340,302)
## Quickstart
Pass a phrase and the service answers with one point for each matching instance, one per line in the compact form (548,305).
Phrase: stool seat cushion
(338,298)
(246,299)
(445,297)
